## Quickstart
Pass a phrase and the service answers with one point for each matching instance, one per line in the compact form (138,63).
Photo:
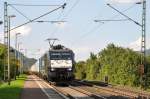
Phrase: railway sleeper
(118,92)
(87,93)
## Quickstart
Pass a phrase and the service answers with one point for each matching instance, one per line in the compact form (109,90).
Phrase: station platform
(36,88)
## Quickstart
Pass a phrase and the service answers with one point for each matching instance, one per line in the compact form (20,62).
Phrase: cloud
(136,45)
(24,30)
(61,24)
(82,49)
(82,52)
(36,53)
(124,1)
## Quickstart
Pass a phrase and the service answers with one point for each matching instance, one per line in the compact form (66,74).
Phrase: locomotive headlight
(52,69)
(69,69)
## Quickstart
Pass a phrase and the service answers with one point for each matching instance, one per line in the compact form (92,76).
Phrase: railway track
(141,93)
(76,93)
(97,91)
(74,90)
(84,90)
(118,91)
(71,92)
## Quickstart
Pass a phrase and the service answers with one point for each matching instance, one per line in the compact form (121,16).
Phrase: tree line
(120,65)
(3,62)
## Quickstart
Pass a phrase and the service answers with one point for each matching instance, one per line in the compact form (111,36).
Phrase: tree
(120,65)
(92,67)
(2,54)
(80,70)
(13,62)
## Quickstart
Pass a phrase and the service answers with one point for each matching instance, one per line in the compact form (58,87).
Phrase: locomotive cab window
(66,56)
(55,56)
(60,56)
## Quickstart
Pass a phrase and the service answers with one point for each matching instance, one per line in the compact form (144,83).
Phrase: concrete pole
(8,51)
(16,50)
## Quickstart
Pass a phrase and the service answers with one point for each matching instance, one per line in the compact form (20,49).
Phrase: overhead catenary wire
(71,9)
(113,17)
(61,17)
(31,5)
(111,20)
(62,6)
(99,25)
(20,12)
(40,21)
(124,15)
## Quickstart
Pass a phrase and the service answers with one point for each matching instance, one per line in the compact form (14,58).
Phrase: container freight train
(57,64)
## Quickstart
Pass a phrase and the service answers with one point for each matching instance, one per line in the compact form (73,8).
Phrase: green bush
(13,64)
(121,65)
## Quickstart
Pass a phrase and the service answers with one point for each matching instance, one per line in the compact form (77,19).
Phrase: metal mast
(5,39)
(143,40)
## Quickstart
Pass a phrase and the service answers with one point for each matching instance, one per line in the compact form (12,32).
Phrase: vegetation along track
(115,91)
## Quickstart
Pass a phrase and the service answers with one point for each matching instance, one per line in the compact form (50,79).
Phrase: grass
(12,91)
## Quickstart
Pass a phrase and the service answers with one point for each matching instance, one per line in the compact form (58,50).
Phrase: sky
(79,33)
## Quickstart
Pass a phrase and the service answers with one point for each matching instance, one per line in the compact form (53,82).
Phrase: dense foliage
(3,60)
(2,51)
(120,65)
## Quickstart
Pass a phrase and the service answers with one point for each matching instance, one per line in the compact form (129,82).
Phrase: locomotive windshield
(61,59)
(60,56)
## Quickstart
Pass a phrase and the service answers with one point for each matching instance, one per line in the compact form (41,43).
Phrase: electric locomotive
(57,64)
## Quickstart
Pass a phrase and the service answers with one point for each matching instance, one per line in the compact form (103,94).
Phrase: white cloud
(61,24)
(82,49)
(136,45)
(24,30)
(36,53)
(82,52)
(123,1)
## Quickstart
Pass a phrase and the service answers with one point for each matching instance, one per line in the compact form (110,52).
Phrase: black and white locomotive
(57,64)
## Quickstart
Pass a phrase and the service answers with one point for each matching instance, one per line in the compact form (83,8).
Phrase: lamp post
(24,51)
(19,56)
(16,54)
(8,51)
